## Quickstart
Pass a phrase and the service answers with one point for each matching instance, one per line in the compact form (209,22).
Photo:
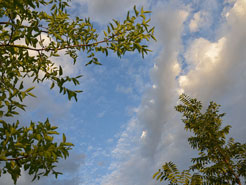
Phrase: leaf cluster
(33,33)
(31,38)
(32,147)
(220,161)
(169,172)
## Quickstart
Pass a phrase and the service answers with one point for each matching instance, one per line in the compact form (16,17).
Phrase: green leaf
(156,174)
(19,144)
(31,95)
(135,10)
(60,71)
(3,158)
(29,89)
(63,138)
(21,85)
(52,85)
(52,132)
(68,144)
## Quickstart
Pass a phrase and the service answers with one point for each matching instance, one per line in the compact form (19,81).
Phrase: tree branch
(15,159)
(4,22)
(225,159)
(53,49)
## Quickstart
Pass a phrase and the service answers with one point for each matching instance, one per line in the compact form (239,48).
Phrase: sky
(124,125)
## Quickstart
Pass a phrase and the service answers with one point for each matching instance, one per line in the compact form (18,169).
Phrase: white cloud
(216,71)
(194,22)
(201,19)
(205,62)
(239,9)
(215,67)
(143,152)
(144,134)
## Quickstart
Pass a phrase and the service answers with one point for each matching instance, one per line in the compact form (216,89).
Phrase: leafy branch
(47,33)
(56,49)
(219,161)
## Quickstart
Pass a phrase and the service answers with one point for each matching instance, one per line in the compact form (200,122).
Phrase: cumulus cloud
(194,22)
(214,70)
(200,20)
(205,63)
(217,69)
(221,63)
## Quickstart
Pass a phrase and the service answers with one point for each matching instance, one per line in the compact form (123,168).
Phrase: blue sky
(124,125)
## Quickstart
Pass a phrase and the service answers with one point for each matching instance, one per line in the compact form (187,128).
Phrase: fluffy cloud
(217,69)
(213,71)
(200,19)
(205,62)
(195,21)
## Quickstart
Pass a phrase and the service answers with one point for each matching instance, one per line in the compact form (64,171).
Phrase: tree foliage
(32,34)
(220,161)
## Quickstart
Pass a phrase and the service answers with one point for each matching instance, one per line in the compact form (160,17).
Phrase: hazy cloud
(105,10)
(140,149)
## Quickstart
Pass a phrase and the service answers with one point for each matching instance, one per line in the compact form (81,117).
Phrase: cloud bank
(213,70)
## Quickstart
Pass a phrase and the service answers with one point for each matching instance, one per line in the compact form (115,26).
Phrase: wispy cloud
(145,151)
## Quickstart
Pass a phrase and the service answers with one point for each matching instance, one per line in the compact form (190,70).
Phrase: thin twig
(12,29)
(15,159)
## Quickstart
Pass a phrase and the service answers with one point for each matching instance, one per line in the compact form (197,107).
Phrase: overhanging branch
(53,49)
